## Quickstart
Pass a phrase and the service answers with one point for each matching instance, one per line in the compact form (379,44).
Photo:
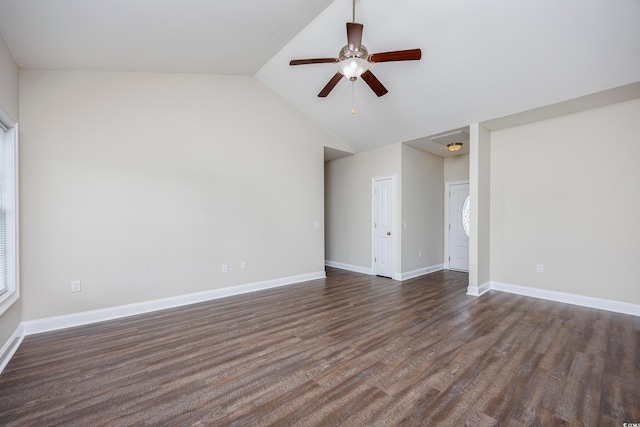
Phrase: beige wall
(564,193)
(456,168)
(422,209)
(9,89)
(348,186)
(143,185)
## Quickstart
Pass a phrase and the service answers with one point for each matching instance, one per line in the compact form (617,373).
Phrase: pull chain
(353,89)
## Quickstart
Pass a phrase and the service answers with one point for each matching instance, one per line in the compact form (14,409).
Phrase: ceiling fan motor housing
(345,53)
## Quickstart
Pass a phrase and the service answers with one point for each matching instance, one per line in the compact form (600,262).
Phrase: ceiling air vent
(451,137)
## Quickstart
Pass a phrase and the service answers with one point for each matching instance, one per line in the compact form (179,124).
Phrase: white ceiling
(481,60)
(181,36)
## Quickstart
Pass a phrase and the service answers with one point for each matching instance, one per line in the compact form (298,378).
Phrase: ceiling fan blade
(313,61)
(329,87)
(396,55)
(374,83)
(354,36)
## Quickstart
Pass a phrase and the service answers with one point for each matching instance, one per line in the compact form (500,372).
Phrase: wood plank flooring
(351,350)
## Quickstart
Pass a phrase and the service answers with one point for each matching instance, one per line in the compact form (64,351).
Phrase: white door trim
(394,228)
(447,189)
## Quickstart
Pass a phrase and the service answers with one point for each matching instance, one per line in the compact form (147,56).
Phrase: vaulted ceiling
(481,60)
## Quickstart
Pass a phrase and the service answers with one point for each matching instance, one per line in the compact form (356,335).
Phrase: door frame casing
(394,228)
(447,210)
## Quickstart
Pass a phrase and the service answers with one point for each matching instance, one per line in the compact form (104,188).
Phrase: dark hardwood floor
(349,350)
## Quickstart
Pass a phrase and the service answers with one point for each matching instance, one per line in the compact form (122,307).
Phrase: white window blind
(9,272)
(4,182)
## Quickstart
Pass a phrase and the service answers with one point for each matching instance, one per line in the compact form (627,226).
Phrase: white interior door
(459,227)
(383,199)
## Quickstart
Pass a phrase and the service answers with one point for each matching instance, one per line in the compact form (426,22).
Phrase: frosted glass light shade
(352,68)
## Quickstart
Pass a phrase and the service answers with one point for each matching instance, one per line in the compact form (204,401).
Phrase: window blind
(4,167)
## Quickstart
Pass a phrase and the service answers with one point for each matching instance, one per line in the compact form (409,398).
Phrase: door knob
(388,233)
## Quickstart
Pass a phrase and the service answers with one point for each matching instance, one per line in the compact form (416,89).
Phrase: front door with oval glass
(459,209)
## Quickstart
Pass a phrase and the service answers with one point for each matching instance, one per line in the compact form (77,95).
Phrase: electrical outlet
(225,268)
(539,268)
(243,265)
(419,254)
(76,286)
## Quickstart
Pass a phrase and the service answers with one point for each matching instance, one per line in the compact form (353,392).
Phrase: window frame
(8,298)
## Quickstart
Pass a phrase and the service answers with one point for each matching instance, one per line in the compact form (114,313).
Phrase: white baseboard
(349,267)
(397,276)
(477,291)
(599,303)
(419,272)
(10,347)
(87,317)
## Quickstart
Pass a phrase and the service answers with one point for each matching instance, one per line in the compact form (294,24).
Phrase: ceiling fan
(353,60)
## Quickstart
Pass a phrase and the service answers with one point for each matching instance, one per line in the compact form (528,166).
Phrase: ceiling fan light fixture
(454,146)
(352,68)
(353,60)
